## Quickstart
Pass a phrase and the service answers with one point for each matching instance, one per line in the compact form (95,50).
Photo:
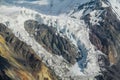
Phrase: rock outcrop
(106,38)
(18,61)
(48,37)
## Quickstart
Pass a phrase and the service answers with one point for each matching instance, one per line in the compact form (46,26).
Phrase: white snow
(115,5)
(104,4)
(95,17)
(74,28)
(53,7)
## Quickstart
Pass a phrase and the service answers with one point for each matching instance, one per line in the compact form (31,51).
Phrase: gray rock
(106,38)
(55,44)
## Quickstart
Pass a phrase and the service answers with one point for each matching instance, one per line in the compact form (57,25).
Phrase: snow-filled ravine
(14,15)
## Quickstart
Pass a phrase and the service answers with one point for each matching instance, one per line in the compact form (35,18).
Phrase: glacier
(57,13)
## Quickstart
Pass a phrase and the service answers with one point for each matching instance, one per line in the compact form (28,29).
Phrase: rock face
(52,41)
(106,38)
(18,61)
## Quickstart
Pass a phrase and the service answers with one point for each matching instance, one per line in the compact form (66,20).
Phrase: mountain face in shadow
(18,61)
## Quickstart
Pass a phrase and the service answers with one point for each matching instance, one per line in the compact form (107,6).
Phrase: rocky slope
(18,61)
(77,40)
(105,36)
(48,37)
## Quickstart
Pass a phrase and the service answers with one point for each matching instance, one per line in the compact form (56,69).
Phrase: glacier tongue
(76,30)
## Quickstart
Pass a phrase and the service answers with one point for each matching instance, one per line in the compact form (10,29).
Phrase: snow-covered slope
(115,4)
(53,7)
(62,15)
(16,19)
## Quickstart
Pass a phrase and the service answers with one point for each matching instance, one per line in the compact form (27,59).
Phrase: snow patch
(95,17)
(74,28)
(115,5)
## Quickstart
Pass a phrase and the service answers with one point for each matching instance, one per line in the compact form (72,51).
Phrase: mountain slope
(18,61)
(76,39)
(105,36)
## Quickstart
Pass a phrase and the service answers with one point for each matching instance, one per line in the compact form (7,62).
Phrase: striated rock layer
(18,61)
(106,38)
(48,37)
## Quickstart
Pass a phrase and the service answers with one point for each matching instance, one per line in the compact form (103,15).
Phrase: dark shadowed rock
(18,59)
(54,43)
(106,39)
